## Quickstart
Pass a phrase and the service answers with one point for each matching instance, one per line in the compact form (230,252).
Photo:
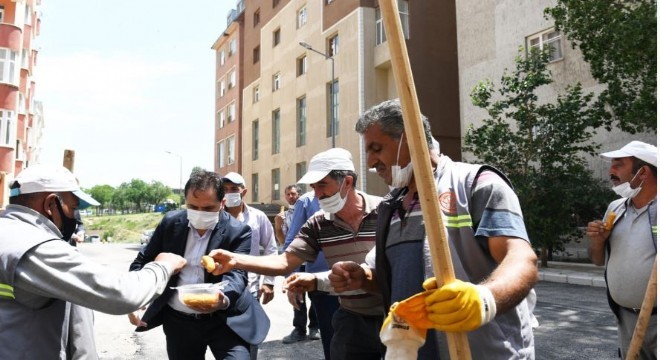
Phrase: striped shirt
(339,242)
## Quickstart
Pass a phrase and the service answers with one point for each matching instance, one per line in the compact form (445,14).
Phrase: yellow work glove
(401,338)
(459,306)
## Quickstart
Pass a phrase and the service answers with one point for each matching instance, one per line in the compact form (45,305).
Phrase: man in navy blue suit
(238,320)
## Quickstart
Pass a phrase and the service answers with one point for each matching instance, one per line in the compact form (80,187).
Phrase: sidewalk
(573,273)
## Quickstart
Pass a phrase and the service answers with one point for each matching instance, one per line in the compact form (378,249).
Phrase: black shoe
(294,337)
(314,334)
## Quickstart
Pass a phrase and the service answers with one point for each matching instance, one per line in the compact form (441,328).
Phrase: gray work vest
(27,331)
(509,335)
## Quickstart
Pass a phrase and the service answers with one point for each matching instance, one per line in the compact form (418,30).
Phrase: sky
(123,82)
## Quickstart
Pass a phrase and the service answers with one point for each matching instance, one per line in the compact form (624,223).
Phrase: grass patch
(123,228)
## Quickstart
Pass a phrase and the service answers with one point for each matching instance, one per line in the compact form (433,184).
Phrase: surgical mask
(68,224)
(625,191)
(233,199)
(401,177)
(203,220)
(333,204)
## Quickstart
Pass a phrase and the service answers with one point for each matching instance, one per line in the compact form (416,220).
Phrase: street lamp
(332,87)
(180,176)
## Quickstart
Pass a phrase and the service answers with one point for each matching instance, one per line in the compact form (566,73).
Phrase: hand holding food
(225,259)
(208,263)
(609,221)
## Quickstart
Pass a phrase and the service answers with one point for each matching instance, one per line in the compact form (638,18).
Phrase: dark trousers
(187,337)
(356,337)
(300,317)
(325,306)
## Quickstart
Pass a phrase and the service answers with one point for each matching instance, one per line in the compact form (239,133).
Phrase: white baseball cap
(42,178)
(323,163)
(643,151)
(235,178)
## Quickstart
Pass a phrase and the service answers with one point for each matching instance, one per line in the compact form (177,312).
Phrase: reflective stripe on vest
(7,291)
(457,221)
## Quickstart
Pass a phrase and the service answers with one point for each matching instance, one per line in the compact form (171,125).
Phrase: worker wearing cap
(628,249)
(41,278)
(344,229)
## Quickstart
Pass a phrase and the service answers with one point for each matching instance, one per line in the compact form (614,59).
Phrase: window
(231,82)
(7,128)
(255,94)
(275,181)
(28,15)
(21,103)
(403,15)
(24,58)
(276,37)
(231,112)
(221,154)
(2,13)
(276,132)
(329,1)
(333,45)
(275,3)
(256,18)
(231,150)
(255,139)
(301,65)
(301,123)
(276,81)
(301,169)
(255,188)
(221,57)
(302,17)
(333,106)
(220,119)
(256,54)
(549,39)
(221,87)
(232,47)
(8,66)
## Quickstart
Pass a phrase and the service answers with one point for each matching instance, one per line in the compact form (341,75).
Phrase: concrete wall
(489,35)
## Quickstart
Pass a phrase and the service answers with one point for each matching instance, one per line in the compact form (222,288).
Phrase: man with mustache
(628,246)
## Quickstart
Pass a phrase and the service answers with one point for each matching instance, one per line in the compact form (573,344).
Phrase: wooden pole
(69,159)
(644,314)
(459,348)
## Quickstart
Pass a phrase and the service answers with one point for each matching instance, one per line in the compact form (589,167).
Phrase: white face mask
(333,204)
(203,220)
(233,199)
(625,191)
(401,177)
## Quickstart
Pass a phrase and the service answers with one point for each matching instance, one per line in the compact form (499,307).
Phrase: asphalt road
(575,322)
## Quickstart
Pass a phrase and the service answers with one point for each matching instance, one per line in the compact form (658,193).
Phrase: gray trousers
(627,322)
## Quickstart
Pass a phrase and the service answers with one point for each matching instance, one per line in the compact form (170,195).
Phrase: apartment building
(489,35)
(304,68)
(21,117)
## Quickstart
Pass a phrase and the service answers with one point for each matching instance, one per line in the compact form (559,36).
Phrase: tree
(541,148)
(137,193)
(157,192)
(120,198)
(103,194)
(619,41)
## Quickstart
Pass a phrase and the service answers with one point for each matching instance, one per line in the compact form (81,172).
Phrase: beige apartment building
(489,34)
(291,93)
(21,116)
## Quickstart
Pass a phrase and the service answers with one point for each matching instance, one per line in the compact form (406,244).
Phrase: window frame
(301,121)
(301,65)
(301,17)
(276,119)
(277,81)
(543,40)
(275,179)
(255,139)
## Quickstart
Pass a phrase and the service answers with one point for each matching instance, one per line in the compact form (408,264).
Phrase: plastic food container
(204,295)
